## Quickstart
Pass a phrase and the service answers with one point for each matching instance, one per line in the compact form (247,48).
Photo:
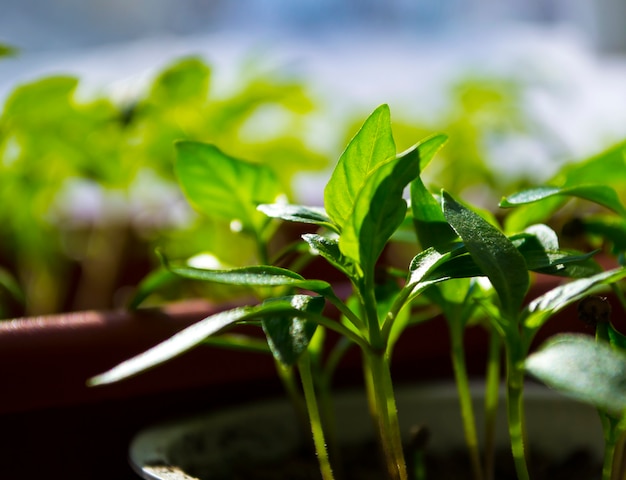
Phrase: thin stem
(607,464)
(492,396)
(465,399)
(304,366)
(618,459)
(371,314)
(288,380)
(344,310)
(515,411)
(386,415)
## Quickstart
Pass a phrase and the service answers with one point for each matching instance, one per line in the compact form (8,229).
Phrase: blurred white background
(355,54)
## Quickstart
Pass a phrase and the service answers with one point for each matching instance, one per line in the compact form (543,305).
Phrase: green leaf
(582,368)
(187,339)
(600,194)
(253,276)
(493,252)
(186,81)
(429,147)
(372,145)
(526,215)
(298,213)
(288,336)
(539,245)
(430,224)
(225,187)
(608,167)
(328,248)
(379,209)
(542,308)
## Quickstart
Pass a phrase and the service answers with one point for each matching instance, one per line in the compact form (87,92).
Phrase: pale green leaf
(600,194)
(378,210)
(372,145)
(582,368)
(225,187)
(187,339)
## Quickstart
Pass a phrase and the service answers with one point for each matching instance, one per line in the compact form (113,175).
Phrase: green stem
(618,458)
(288,380)
(386,415)
(492,396)
(515,411)
(607,464)
(304,365)
(371,314)
(344,310)
(465,399)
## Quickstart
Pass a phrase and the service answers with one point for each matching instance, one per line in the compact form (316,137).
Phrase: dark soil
(361,463)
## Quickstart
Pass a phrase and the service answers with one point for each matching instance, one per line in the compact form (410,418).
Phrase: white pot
(269,431)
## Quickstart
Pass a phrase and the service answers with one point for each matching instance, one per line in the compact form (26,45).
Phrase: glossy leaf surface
(600,194)
(288,336)
(493,252)
(543,307)
(189,338)
(298,213)
(328,248)
(253,276)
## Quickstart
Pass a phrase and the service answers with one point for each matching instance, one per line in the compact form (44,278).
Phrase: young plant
(364,207)
(507,269)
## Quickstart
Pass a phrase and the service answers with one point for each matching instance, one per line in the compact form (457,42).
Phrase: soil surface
(361,463)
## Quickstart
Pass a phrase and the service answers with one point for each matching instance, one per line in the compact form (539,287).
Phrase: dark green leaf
(580,367)
(223,186)
(253,276)
(493,252)
(600,194)
(298,213)
(372,145)
(287,335)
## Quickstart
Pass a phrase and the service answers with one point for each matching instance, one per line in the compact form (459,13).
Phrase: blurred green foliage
(88,185)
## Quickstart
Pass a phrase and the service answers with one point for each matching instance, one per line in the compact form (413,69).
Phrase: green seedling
(364,208)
